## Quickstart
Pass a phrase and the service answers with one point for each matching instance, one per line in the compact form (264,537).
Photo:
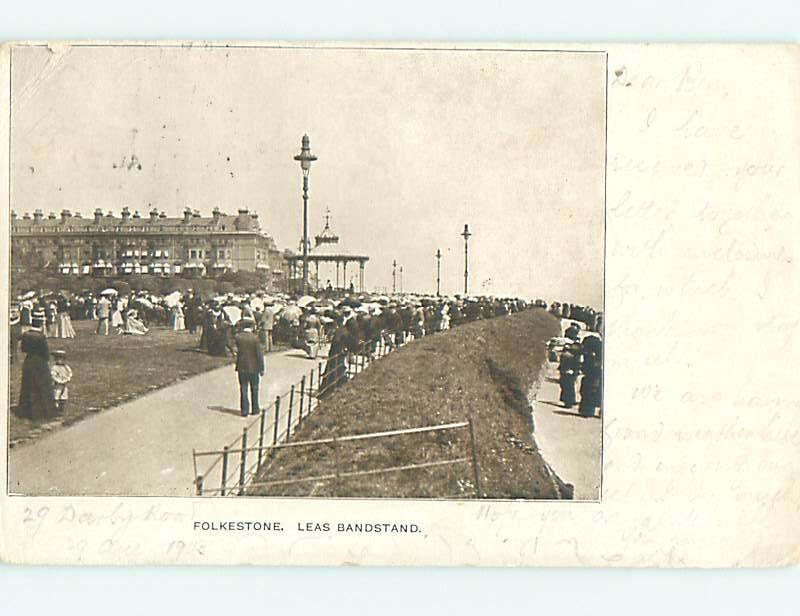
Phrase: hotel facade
(106,245)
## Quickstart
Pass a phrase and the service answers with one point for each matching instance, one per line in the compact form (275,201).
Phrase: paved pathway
(571,444)
(144,447)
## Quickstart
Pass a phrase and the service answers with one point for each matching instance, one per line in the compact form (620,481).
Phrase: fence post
(336,465)
(310,389)
(243,465)
(277,418)
(224,470)
(261,427)
(199,485)
(319,383)
(475,475)
(302,393)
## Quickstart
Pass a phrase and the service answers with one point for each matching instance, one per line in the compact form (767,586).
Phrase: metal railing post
(243,462)
(302,393)
(199,485)
(310,389)
(277,419)
(475,474)
(224,470)
(262,425)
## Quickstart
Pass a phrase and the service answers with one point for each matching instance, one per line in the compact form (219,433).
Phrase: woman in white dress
(133,324)
(117,321)
(178,323)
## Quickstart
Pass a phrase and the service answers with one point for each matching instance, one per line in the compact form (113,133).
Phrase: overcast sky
(411,146)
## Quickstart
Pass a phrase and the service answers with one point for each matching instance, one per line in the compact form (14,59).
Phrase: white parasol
(234,313)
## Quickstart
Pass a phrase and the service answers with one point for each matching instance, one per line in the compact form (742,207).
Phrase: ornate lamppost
(305,158)
(394,276)
(438,270)
(466,235)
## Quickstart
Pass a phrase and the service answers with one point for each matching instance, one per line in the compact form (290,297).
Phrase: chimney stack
(153,215)
(38,215)
(13,215)
(126,213)
(215,214)
(187,214)
(98,216)
(65,215)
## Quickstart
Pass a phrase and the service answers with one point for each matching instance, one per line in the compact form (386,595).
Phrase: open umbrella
(172,299)
(109,292)
(234,313)
(292,312)
(305,301)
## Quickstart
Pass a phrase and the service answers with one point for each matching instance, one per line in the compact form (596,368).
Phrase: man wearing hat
(249,366)
(36,392)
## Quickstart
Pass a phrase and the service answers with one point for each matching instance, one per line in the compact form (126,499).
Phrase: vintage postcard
(286,303)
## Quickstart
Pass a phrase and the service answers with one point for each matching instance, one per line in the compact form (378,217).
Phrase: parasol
(234,313)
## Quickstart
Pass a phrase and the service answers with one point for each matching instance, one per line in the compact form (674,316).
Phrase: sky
(411,144)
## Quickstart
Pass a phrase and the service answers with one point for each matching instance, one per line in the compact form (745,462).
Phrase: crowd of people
(579,355)
(351,324)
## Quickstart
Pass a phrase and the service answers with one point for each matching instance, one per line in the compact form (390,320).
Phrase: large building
(108,245)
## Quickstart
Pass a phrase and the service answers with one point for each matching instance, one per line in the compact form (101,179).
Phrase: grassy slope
(110,370)
(481,370)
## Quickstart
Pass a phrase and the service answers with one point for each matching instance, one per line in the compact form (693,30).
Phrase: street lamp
(305,158)
(466,235)
(394,276)
(401,279)
(438,270)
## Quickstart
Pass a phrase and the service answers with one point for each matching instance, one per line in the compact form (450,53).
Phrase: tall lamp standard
(394,276)
(466,235)
(305,158)
(438,270)
(401,279)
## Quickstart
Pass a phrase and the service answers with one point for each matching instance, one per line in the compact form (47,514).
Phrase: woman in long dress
(117,321)
(178,323)
(133,324)
(36,393)
(65,329)
(336,366)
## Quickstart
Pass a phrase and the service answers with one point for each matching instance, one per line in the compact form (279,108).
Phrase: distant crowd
(352,324)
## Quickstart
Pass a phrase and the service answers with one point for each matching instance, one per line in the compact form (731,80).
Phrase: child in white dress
(61,374)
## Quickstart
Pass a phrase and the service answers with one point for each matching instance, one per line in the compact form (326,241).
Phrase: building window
(193,253)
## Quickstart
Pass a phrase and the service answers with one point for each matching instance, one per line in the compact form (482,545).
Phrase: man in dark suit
(249,365)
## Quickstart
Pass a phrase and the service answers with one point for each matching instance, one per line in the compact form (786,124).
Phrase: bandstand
(328,251)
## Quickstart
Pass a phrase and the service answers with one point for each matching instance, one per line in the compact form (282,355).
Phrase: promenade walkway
(571,444)
(144,447)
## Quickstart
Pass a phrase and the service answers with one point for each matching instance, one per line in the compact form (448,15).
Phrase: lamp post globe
(305,158)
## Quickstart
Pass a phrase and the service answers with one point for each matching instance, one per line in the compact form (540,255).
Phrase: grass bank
(481,370)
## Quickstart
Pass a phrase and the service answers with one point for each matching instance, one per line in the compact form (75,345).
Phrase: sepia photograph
(262,271)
